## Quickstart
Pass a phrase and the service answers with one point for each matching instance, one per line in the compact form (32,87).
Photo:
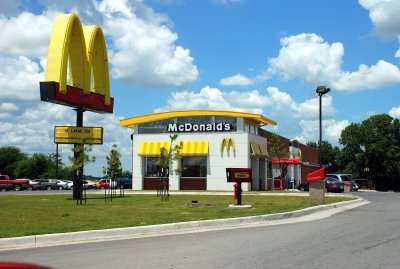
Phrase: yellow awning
(255,149)
(194,148)
(264,150)
(153,148)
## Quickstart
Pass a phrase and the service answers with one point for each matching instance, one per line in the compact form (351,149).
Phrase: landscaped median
(25,215)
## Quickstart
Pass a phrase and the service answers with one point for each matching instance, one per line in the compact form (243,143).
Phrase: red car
(105,183)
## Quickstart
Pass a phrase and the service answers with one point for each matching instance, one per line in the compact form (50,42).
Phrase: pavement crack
(381,243)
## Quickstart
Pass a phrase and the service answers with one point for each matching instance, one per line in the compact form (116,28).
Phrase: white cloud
(226,2)
(395,112)
(316,62)
(377,76)
(236,80)
(143,49)
(295,120)
(26,34)
(384,14)
(19,78)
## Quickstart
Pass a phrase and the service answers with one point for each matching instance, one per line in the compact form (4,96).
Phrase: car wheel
(17,187)
(60,188)
(30,188)
(102,188)
(48,188)
(302,189)
(122,186)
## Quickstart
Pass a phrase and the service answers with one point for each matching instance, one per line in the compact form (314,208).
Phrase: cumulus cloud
(294,118)
(236,80)
(226,2)
(395,112)
(314,61)
(26,34)
(143,49)
(384,15)
(19,78)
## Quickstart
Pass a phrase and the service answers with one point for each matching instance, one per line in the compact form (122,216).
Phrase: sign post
(238,175)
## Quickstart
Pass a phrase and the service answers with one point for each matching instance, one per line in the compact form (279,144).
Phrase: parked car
(105,183)
(70,184)
(124,183)
(61,184)
(345,178)
(87,184)
(363,183)
(34,184)
(333,184)
(48,184)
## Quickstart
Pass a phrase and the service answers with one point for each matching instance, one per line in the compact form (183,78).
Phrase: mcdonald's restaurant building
(212,141)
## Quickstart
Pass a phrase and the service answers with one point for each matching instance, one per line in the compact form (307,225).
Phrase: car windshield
(346,177)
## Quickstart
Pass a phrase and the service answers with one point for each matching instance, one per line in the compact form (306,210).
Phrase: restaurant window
(194,166)
(151,167)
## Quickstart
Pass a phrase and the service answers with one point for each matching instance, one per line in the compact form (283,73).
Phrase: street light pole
(321,90)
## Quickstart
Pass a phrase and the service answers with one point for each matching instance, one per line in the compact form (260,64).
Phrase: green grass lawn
(23,215)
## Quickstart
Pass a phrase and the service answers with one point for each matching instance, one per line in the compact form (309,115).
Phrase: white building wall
(217,161)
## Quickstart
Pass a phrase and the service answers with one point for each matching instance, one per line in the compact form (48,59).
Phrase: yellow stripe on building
(197,148)
(153,148)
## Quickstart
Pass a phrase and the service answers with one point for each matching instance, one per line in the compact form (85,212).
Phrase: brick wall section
(309,154)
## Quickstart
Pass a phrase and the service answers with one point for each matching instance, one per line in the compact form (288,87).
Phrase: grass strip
(23,215)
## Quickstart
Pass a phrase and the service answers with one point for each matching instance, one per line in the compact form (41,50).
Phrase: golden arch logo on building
(83,50)
(227,143)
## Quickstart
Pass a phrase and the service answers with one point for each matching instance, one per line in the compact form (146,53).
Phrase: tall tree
(39,165)
(372,148)
(166,155)
(83,159)
(278,149)
(10,156)
(330,155)
(114,167)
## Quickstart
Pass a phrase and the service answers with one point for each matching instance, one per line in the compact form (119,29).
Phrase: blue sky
(258,56)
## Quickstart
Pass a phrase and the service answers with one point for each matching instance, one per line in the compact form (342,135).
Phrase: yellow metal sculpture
(84,50)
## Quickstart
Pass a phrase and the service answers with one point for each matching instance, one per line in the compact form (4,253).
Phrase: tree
(330,155)
(372,149)
(164,163)
(277,149)
(80,159)
(39,165)
(113,168)
(10,156)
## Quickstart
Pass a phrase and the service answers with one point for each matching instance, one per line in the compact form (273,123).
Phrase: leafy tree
(113,168)
(372,149)
(126,174)
(278,149)
(39,165)
(164,163)
(81,157)
(330,155)
(10,156)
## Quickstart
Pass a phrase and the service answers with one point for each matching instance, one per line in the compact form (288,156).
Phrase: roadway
(363,237)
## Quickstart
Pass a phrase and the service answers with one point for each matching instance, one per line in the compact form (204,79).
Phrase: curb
(168,229)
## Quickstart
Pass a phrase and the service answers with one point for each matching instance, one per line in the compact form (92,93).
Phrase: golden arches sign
(227,143)
(84,50)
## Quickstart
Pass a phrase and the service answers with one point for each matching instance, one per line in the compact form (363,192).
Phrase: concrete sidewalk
(307,214)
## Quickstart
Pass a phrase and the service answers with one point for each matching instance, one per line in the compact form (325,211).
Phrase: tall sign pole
(81,52)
